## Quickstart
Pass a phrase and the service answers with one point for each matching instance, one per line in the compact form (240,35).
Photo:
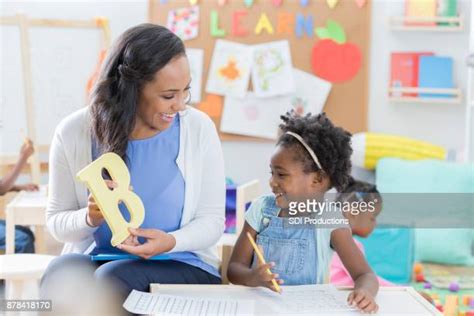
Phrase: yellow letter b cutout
(108,200)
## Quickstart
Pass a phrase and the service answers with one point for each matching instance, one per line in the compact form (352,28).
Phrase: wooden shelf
(395,95)
(399,23)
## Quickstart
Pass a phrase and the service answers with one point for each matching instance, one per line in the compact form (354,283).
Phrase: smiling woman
(139,111)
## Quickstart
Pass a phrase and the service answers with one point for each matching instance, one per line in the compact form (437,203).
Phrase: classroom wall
(440,124)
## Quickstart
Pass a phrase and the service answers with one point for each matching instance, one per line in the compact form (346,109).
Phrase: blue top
(157,180)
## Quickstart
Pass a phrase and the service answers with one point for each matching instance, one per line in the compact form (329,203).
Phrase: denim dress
(292,249)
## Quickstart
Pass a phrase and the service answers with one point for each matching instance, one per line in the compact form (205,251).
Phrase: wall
(440,124)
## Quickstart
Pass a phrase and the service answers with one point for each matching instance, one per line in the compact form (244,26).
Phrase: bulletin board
(347,102)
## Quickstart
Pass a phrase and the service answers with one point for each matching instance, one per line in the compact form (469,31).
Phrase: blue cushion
(389,251)
(444,244)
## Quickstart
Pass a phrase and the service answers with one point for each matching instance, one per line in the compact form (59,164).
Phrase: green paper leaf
(322,33)
(336,32)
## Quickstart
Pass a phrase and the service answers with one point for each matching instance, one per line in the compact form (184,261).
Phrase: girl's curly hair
(331,144)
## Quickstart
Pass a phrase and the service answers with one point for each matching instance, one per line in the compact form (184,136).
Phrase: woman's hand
(157,242)
(363,300)
(94,215)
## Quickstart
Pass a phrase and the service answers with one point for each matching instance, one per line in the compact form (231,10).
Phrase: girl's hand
(259,276)
(363,300)
(27,149)
(157,242)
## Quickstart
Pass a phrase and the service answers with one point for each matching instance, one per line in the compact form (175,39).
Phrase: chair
(245,194)
(22,272)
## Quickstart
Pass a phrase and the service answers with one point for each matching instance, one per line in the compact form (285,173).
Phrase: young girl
(362,223)
(311,157)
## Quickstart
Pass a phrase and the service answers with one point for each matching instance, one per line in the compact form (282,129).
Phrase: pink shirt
(341,277)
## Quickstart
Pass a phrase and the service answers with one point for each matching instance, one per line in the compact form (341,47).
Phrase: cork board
(347,103)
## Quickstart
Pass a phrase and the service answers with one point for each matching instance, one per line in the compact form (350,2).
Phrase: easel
(24,23)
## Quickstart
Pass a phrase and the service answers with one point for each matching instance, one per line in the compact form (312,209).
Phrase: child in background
(311,157)
(362,223)
(24,238)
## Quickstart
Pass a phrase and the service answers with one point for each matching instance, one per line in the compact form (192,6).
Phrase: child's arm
(366,284)
(8,183)
(240,271)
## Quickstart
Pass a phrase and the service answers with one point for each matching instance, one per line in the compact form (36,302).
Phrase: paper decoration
(212,105)
(184,22)
(277,3)
(285,23)
(237,29)
(193,2)
(333,58)
(108,200)
(196,59)
(248,3)
(304,24)
(252,116)
(332,3)
(229,72)
(215,30)
(263,23)
(304,3)
(360,3)
(311,93)
(221,3)
(332,31)
(272,70)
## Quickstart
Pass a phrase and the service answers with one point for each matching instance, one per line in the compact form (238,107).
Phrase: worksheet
(159,304)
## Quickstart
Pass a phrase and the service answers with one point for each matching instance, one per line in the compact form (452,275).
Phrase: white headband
(311,152)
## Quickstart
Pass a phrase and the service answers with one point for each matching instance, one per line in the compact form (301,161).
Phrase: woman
(174,156)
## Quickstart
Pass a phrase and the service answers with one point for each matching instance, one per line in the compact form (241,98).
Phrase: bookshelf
(402,23)
(442,96)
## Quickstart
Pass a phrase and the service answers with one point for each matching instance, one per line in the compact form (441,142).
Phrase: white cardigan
(199,159)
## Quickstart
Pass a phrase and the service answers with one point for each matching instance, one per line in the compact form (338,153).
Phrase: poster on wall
(229,72)
(272,70)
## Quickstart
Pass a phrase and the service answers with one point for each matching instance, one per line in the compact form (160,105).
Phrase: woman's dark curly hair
(134,59)
(331,144)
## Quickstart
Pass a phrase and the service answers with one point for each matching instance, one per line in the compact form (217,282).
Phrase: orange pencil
(262,260)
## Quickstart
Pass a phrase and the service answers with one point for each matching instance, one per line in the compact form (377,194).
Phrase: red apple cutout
(332,58)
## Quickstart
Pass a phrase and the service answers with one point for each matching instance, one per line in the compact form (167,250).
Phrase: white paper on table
(272,70)
(147,303)
(312,298)
(195,58)
(252,116)
(311,93)
(229,73)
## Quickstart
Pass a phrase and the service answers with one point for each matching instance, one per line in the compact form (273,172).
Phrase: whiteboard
(12,99)
(62,60)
